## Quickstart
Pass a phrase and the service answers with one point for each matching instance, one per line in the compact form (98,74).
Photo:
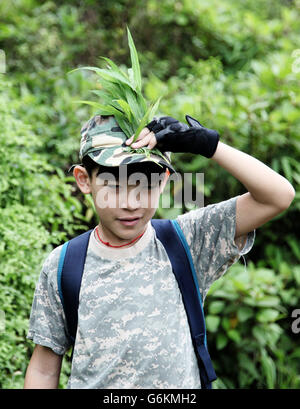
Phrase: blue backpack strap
(69,275)
(173,240)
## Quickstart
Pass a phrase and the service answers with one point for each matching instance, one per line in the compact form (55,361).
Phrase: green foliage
(37,213)
(234,65)
(249,328)
(121,94)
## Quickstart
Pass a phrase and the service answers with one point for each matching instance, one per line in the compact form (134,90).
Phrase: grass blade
(112,76)
(145,120)
(105,109)
(124,125)
(115,67)
(125,107)
(131,98)
(135,62)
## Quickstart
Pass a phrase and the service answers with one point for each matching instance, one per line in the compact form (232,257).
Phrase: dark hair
(89,165)
(143,167)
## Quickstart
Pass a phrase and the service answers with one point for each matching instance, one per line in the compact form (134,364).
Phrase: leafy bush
(247,318)
(37,212)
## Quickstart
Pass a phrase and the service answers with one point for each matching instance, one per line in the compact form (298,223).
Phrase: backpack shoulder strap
(69,275)
(173,239)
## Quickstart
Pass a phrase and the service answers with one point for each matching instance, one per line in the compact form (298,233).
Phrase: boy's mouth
(129,221)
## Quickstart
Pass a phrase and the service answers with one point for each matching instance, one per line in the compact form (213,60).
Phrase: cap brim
(116,156)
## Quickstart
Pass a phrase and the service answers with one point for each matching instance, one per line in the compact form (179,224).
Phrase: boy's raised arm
(268,192)
(43,370)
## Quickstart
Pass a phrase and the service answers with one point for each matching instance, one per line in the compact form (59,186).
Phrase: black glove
(174,136)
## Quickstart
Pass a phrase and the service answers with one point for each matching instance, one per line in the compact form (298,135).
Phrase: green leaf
(107,74)
(124,125)
(105,98)
(135,62)
(157,152)
(121,94)
(268,301)
(125,107)
(244,313)
(267,315)
(295,353)
(296,273)
(130,75)
(112,76)
(269,369)
(141,101)
(228,294)
(212,322)
(105,109)
(286,166)
(234,335)
(114,90)
(145,120)
(221,341)
(136,107)
(247,365)
(215,307)
(154,109)
(115,68)
(294,245)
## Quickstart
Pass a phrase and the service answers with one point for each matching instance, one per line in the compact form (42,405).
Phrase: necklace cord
(123,245)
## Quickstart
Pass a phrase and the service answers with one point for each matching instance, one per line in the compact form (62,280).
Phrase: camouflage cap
(104,142)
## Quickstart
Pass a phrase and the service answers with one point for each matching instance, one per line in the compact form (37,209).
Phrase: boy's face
(124,202)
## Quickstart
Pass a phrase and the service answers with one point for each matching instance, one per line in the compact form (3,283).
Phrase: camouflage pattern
(133,330)
(104,141)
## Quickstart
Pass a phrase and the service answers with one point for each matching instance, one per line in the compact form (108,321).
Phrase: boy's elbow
(286,197)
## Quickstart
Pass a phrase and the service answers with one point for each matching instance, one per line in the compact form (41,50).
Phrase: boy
(132,327)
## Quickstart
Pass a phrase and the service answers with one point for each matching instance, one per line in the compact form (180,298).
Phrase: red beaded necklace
(110,245)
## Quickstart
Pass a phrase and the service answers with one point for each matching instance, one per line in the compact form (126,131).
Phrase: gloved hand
(175,136)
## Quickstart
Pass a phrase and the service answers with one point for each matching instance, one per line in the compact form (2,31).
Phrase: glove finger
(167,120)
(178,127)
(193,122)
(151,124)
(155,127)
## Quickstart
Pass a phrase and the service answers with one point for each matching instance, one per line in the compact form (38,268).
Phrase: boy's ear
(82,179)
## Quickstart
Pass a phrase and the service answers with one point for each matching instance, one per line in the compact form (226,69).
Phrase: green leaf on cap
(120,94)
(135,63)
(145,120)
(105,109)
(125,107)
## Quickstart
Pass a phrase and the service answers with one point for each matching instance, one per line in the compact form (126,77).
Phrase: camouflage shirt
(132,327)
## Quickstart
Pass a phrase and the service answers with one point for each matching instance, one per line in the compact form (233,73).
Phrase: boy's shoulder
(211,213)
(50,264)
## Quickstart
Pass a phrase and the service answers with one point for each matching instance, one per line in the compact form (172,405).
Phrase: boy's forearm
(35,379)
(265,185)
(44,368)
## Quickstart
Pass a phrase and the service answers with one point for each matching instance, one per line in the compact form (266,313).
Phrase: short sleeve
(47,324)
(210,232)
